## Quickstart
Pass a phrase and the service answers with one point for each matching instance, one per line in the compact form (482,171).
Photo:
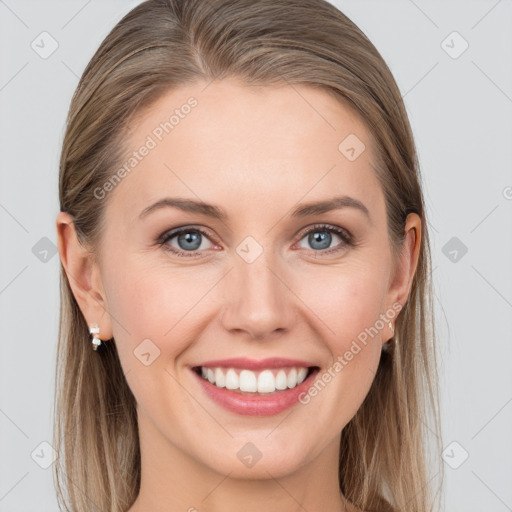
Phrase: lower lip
(256,405)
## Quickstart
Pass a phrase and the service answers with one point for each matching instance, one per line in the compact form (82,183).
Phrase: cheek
(156,317)
(161,311)
(347,300)
(145,302)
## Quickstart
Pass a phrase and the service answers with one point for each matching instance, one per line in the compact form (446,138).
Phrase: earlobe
(83,275)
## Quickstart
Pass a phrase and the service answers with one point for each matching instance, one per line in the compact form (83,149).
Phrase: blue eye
(190,241)
(320,238)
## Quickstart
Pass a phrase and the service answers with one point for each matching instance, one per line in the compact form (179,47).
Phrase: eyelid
(166,235)
(342,232)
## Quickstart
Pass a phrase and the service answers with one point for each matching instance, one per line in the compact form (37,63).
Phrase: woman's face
(255,276)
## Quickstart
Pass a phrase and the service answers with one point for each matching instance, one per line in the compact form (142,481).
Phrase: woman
(246,310)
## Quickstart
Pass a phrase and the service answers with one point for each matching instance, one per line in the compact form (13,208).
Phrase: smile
(255,388)
(248,381)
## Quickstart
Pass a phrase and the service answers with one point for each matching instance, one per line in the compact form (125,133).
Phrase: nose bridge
(258,301)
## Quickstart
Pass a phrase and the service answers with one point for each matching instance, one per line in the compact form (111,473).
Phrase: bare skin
(257,153)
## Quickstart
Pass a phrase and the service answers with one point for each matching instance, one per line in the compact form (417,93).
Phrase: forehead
(232,144)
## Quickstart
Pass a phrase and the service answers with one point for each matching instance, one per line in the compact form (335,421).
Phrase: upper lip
(256,364)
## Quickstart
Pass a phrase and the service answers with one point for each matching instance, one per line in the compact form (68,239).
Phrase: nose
(259,301)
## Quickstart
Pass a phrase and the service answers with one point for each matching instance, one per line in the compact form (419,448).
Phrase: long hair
(165,44)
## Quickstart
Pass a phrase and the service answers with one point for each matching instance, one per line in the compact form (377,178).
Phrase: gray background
(460,107)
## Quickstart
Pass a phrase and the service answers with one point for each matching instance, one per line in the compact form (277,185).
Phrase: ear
(407,261)
(83,275)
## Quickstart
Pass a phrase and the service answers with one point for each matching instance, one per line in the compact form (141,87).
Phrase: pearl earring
(94,330)
(391,328)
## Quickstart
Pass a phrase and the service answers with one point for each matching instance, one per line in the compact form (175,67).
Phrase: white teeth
(232,381)
(266,381)
(281,380)
(248,381)
(292,378)
(301,375)
(220,380)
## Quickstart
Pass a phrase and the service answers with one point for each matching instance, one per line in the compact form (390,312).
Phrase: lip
(254,364)
(255,405)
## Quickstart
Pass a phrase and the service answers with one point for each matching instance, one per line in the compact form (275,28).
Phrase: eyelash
(318,228)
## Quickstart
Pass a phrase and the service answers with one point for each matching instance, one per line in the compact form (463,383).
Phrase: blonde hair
(165,44)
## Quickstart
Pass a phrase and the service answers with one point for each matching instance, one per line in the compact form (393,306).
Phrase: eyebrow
(303,210)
